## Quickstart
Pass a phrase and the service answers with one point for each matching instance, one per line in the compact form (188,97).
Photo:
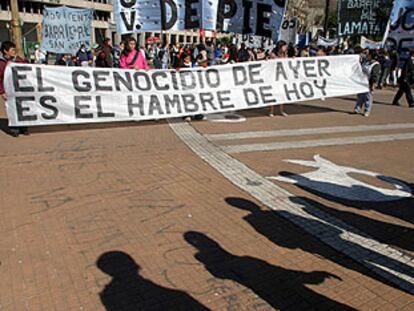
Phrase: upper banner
(327,42)
(401,26)
(363,17)
(260,17)
(369,44)
(65,29)
(289,29)
(42,95)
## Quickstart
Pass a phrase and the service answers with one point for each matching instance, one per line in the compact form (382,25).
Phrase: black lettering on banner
(155,81)
(321,87)
(101,113)
(128,3)
(247,6)
(200,74)
(254,73)
(154,104)
(126,82)
(267,98)
(78,107)
(174,80)
(20,109)
(211,72)
(306,89)
(189,103)
(184,82)
(280,70)
(408,16)
(251,97)
(17,77)
(222,98)
(262,19)
(294,91)
(172,103)
(309,67)
(222,14)
(43,102)
(295,69)
(191,12)
(236,76)
(323,65)
(40,86)
(100,76)
(207,98)
(129,25)
(133,105)
(137,79)
(173,14)
(85,86)
(280,3)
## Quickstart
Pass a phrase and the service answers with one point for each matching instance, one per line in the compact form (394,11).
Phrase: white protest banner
(153,15)
(289,29)
(400,30)
(325,42)
(254,41)
(260,18)
(369,44)
(65,29)
(42,95)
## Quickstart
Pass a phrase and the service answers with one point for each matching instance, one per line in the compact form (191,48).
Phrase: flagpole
(325,26)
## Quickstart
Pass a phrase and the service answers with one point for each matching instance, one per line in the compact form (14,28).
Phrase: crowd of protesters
(383,67)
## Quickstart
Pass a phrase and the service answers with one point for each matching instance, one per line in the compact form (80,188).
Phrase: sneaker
(395,104)
(284,114)
(366,114)
(357,111)
(271,115)
(188,119)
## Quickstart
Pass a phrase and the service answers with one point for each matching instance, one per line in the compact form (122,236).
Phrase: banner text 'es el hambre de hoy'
(44,95)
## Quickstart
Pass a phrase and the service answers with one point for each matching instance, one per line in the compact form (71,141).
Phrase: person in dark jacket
(8,51)
(405,81)
(372,68)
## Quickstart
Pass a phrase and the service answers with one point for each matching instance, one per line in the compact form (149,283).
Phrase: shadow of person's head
(200,240)
(117,264)
(243,204)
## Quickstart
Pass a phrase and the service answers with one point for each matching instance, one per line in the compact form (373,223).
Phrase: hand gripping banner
(44,95)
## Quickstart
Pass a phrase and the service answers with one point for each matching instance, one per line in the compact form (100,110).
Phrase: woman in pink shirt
(131,58)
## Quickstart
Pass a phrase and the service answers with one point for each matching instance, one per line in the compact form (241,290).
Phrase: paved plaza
(313,211)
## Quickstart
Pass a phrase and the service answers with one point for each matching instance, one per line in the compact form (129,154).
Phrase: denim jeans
(364,99)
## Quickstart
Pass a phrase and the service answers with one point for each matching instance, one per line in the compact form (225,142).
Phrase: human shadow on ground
(364,198)
(399,236)
(270,224)
(130,291)
(281,288)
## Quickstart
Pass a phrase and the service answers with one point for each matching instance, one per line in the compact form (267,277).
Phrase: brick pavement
(129,214)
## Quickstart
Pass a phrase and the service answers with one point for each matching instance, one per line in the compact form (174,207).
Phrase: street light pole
(16,28)
(325,26)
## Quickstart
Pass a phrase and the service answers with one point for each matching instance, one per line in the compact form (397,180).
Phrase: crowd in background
(383,67)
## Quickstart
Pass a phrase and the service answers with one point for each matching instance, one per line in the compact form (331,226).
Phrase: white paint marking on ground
(309,131)
(334,180)
(380,258)
(316,143)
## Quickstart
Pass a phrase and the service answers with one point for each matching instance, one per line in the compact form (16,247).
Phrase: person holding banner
(405,82)
(131,58)
(8,51)
(280,51)
(371,68)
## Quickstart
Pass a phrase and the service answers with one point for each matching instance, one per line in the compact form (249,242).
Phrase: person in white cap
(40,56)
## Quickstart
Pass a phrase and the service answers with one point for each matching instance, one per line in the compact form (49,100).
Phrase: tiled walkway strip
(380,258)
